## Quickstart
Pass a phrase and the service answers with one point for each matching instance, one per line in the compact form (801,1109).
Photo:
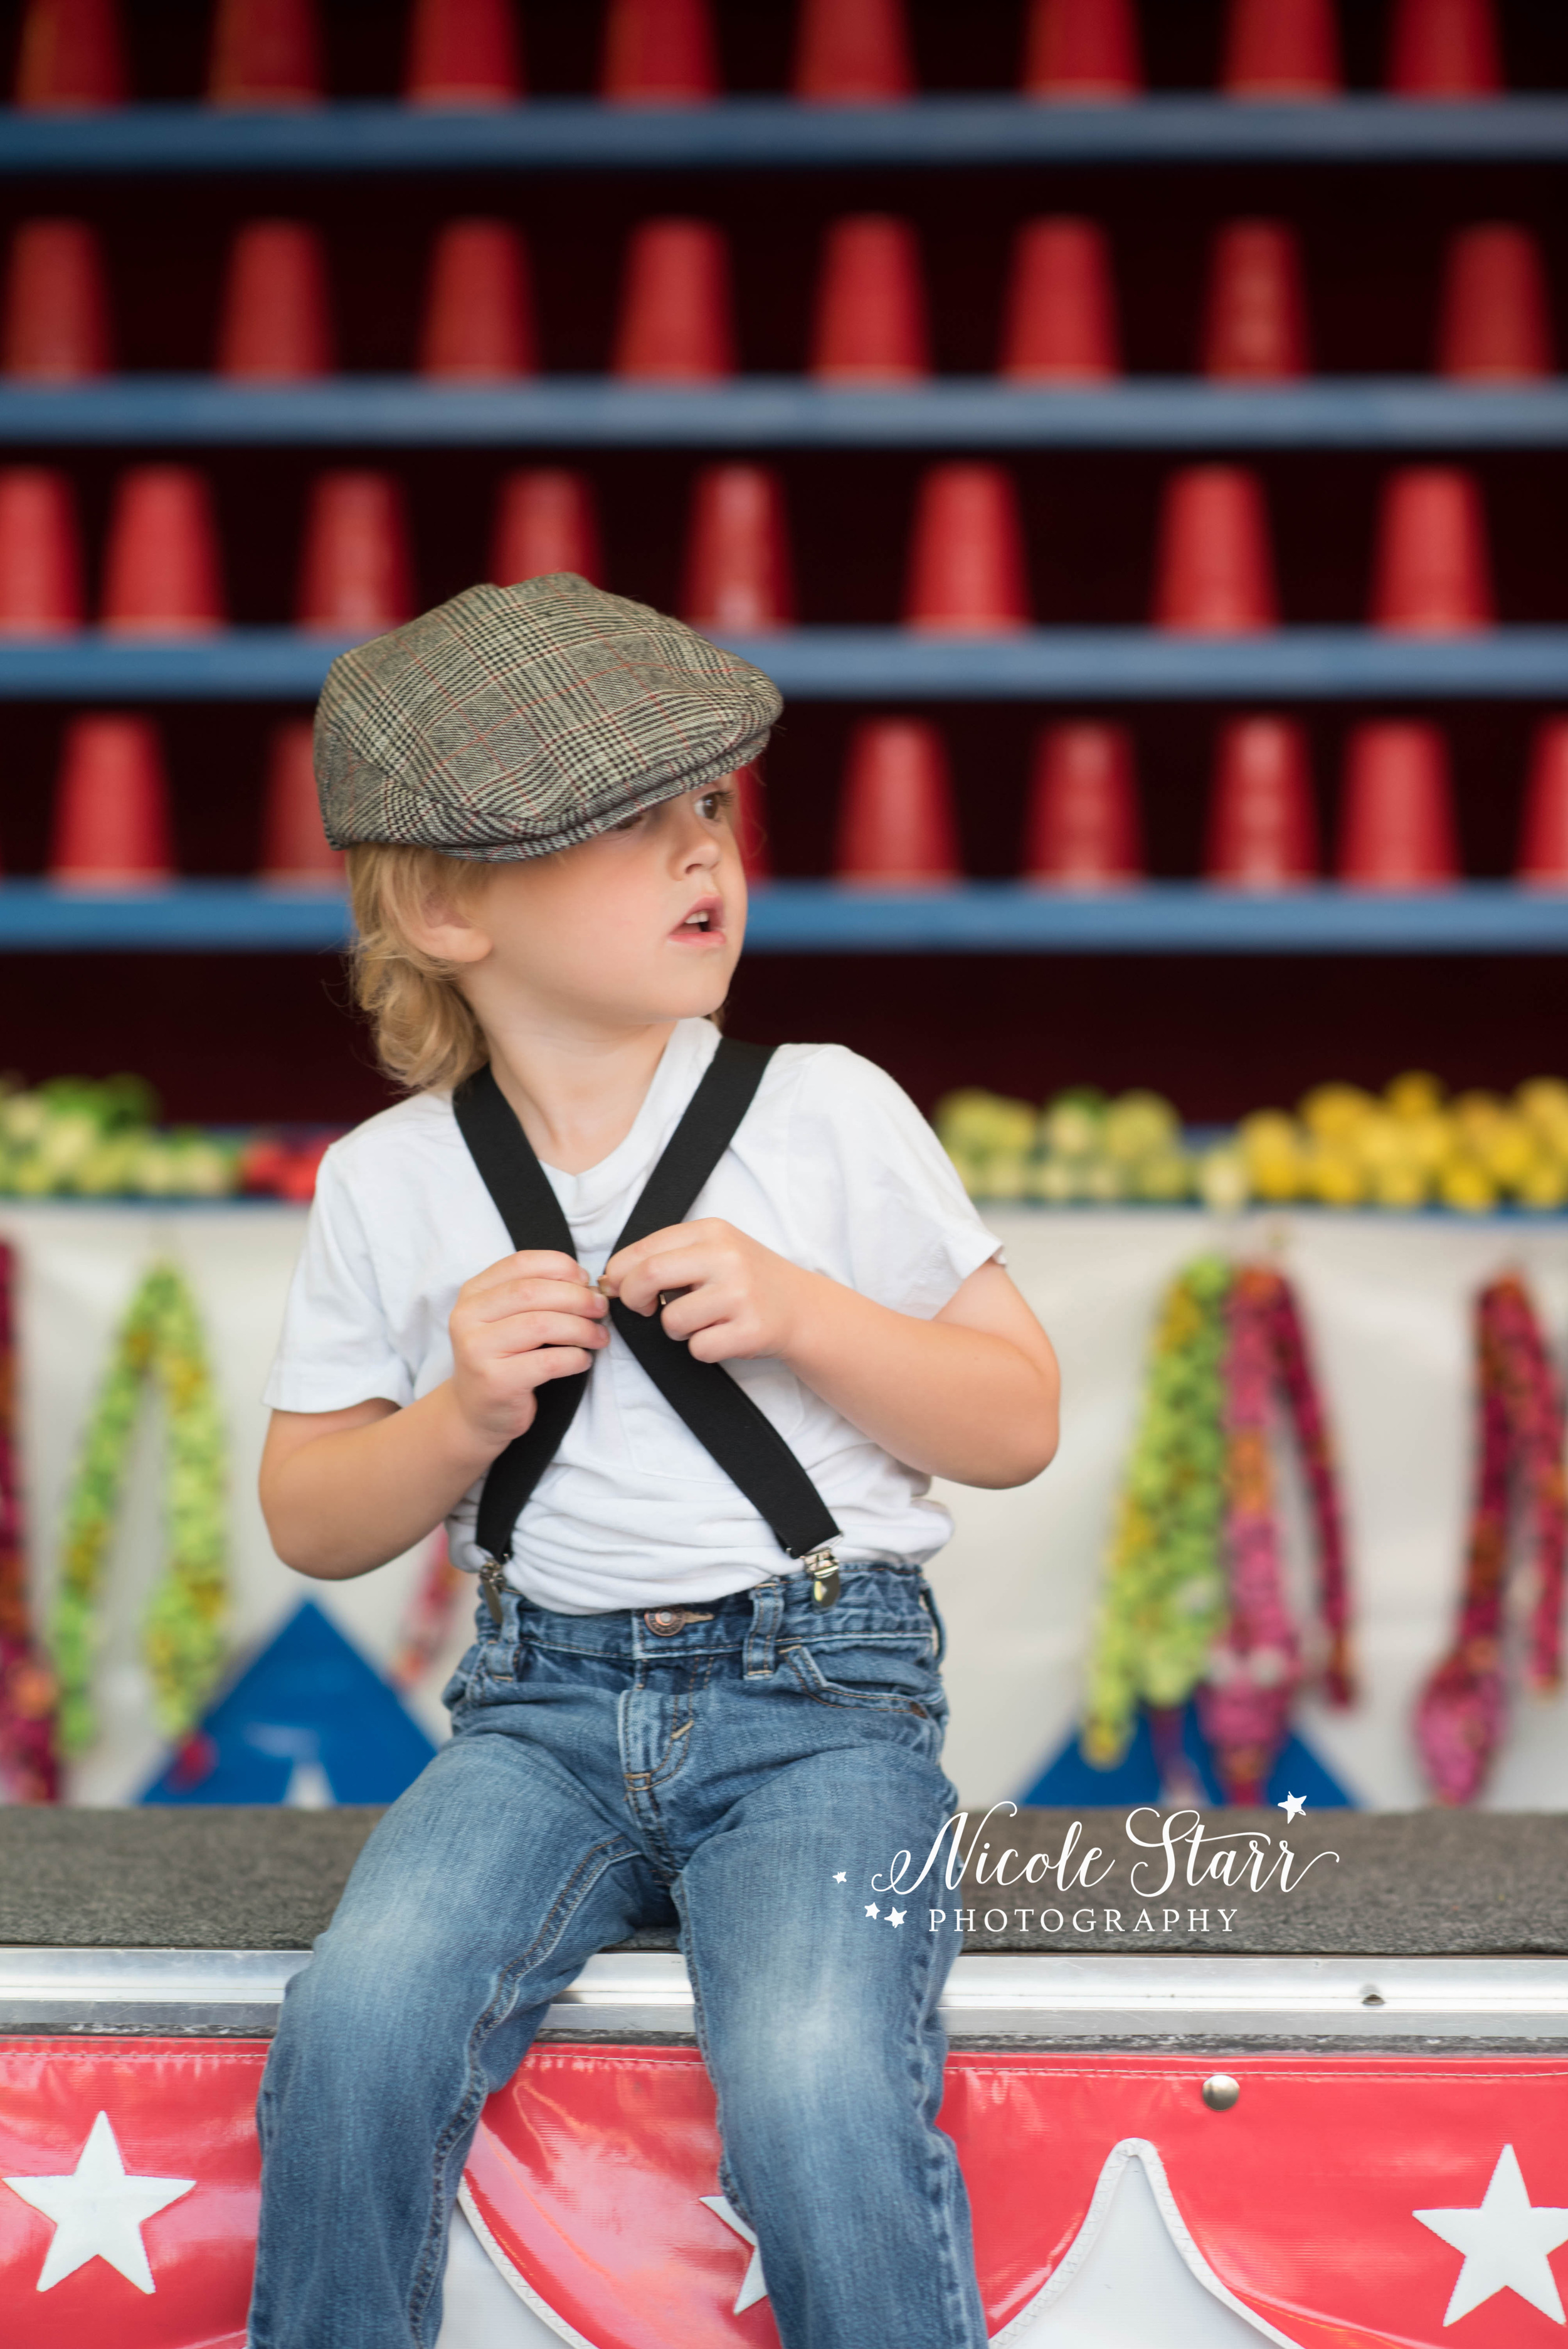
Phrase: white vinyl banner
(1388,1304)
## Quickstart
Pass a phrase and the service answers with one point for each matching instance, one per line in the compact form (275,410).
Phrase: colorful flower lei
(1194,1602)
(183,1631)
(28,1770)
(1164,1600)
(1461,1714)
(1255,1667)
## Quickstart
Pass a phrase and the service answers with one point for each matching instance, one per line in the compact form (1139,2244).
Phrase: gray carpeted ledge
(1406,1884)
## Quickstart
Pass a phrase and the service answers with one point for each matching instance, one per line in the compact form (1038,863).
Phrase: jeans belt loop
(762,1657)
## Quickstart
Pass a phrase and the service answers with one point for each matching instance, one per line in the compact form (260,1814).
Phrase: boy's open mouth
(704,919)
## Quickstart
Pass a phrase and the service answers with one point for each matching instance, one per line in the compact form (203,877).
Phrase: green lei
(1163,1603)
(183,1631)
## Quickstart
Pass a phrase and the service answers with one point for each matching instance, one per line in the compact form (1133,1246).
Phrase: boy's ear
(446,924)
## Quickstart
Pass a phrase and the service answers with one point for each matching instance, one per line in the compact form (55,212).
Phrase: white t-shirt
(832,1167)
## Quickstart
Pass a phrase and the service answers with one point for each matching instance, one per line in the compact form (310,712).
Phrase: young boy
(668,1715)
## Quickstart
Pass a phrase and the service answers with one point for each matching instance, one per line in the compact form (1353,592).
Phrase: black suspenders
(719,1412)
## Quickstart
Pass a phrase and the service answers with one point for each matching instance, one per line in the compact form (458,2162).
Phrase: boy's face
(642,922)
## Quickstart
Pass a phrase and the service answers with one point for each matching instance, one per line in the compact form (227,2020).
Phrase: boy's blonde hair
(425,1033)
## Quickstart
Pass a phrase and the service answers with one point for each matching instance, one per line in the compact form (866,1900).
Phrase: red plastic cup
(1061,305)
(111,827)
(40,556)
(966,570)
(1432,575)
(1083,830)
(71,56)
(265,53)
(852,53)
(1282,49)
(162,575)
(1444,49)
(896,824)
(1396,828)
(545,521)
(57,304)
(1255,330)
(463,53)
(674,324)
(276,323)
(1544,834)
(1083,49)
(871,325)
(659,53)
(1215,568)
(478,311)
(294,848)
(357,576)
(738,575)
(750,820)
(1263,824)
(1497,318)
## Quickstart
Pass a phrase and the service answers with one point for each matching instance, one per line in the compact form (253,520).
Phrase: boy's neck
(576,1094)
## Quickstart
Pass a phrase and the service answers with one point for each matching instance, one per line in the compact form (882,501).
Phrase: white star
(753,2285)
(896,1916)
(1291,1805)
(872,1908)
(839,1879)
(1505,2244)
(98,2212)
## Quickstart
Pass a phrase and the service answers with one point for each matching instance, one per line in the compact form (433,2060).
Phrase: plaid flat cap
(514,720)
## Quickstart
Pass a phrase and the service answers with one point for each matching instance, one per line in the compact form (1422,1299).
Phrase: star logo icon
(872,1908)
(1505,2243)
(896,1916)
(98,2212)
(841,1876)
(753,2283)
(1292,1806)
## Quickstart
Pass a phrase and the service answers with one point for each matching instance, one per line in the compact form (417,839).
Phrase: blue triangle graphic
(309,1720)
(1069,1783)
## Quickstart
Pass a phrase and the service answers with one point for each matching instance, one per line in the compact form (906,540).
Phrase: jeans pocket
(457,1688)
(893,1674)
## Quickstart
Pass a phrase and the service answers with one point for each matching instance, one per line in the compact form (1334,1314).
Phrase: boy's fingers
(509,1296)
(520,1333)
(532,1264)
(641,1285)
(561,1362)
(627,1260)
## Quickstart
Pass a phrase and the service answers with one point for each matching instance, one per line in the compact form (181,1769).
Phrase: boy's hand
(533,1317)
(738,1298)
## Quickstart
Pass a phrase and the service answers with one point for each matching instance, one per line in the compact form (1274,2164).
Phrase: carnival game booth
(1213,2082)
(1131,437)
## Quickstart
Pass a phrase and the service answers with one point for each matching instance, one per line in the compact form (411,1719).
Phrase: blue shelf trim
(825,917)
(784,412)
(762,133)
(882,664)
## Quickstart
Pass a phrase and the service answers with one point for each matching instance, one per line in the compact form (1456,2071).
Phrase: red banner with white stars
(1356,2202)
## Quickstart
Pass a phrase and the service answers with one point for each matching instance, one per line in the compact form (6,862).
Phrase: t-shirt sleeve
(876,1199)
(336,1349)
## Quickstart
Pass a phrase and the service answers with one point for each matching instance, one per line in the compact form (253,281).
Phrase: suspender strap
(532,1214)
(719,1412)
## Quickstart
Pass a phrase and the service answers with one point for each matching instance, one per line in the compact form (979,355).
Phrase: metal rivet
(1221,2092)
(1373,1998)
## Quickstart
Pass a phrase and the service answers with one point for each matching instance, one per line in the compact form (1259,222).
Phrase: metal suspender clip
(492,1582)
(824,1571)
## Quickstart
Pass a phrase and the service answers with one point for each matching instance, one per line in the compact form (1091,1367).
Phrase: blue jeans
(604,1775)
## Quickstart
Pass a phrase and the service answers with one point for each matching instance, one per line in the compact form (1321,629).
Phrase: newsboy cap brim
(512,721)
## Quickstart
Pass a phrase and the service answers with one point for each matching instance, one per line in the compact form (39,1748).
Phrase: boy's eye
(713,803)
